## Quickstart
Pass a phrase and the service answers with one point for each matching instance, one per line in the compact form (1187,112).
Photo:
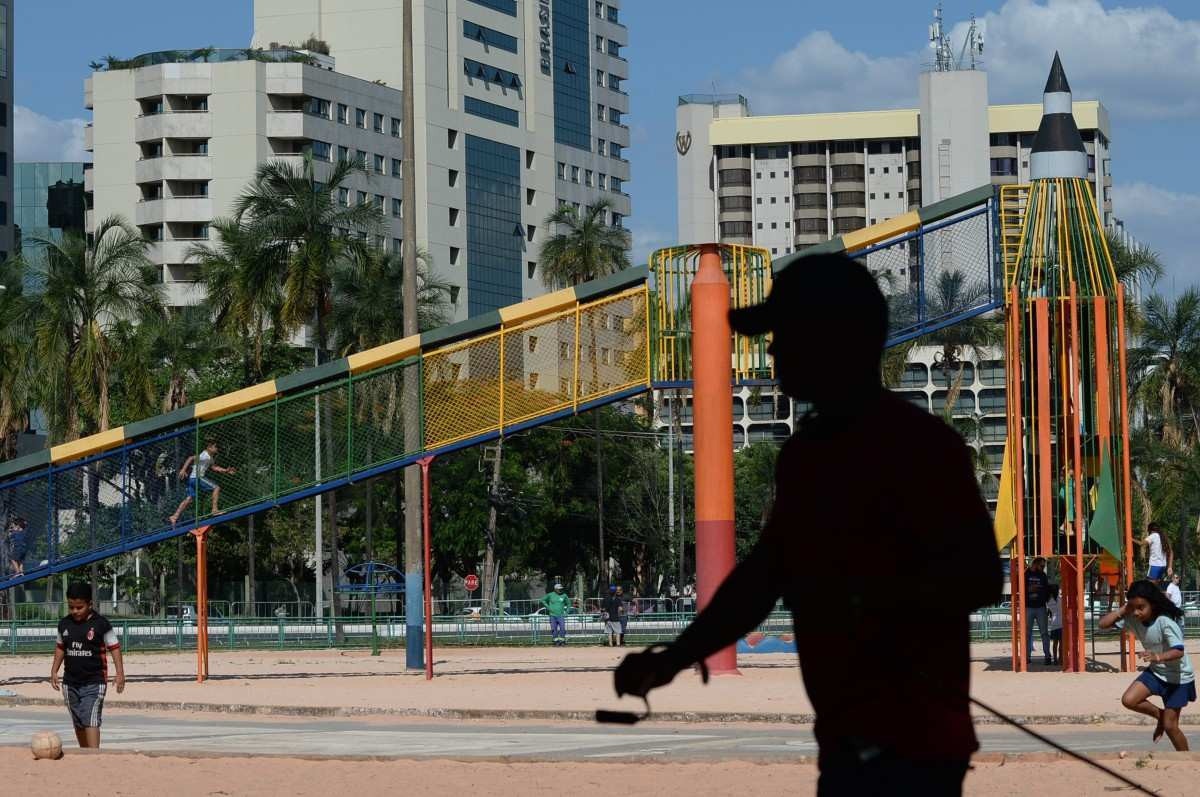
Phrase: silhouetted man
(873,492)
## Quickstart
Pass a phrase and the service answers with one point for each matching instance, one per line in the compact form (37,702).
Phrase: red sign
(471,582)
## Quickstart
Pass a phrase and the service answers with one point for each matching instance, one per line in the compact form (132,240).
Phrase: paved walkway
(179,733)
(540,683)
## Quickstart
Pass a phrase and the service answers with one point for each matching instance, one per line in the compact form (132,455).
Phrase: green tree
(17,364)
(89,289)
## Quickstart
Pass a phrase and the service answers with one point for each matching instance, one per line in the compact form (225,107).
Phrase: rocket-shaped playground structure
(1065,488)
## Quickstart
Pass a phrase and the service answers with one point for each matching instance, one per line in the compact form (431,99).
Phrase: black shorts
(1056,633)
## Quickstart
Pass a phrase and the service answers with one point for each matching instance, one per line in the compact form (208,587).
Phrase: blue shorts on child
(1173,695)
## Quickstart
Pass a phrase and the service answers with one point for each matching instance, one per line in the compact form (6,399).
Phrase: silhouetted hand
(638,673)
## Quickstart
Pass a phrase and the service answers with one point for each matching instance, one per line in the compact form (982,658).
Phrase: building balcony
(913,155)
(88,142)
(87,93)
(741,189)
(737,215)
(848,185)
(88,181)
(849,211)
(152,170)
(172,124)
(733,163)
(89,220)
(183,294)
(841,158)
(157,211)
(176,250)
(172,78)
(815,212)
(809,160)
(286,124)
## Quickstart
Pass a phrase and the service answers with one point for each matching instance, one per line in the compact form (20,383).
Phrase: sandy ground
(547,679)
(134,774)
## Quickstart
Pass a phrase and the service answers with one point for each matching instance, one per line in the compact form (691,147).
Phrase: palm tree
(1165,366)
(89,290)
(306,235)
(243,292)
(17,375)
(585,247)
(1135,264)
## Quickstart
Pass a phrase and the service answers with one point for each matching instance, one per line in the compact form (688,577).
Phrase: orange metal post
(426,529)
(201,535)
(1075,370)
(713,442)
(1128,659)
(1043,411)
(1014,380)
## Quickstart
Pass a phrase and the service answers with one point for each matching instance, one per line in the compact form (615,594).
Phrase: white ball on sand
(46,744)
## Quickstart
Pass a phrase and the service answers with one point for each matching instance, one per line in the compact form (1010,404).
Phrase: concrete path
(182,734)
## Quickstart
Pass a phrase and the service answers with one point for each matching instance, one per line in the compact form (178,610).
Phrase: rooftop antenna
(970,55)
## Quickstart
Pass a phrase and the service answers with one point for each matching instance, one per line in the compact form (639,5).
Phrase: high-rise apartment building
(520,108)
(7,229)
(176,136)
(787,182)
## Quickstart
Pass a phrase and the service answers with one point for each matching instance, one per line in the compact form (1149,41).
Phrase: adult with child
(1154,620)
(1054,610)
(1160,561)
(85,640)
(1037,592)
(197,483)
(835,546)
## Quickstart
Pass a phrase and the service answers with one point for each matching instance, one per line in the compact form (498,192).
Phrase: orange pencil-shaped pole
(712,355)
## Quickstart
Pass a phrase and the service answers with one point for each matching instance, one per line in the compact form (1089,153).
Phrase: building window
(488,110)
(488,37)
(614,116)
(344,197)
(615,150)
(343,154)
(491,74)
(317,107)
(885,169)
(602,147)
(496,240)
(574,174)
(343,114)
(397,246)
(503,6)
(360,118)
(379,200)
(397,167)
(599,112)
(378,122)
(363,198)
(587,177)
(599,44)
(615,184)
(321,150)
(599,10)
(614,48)
(1004,167)
(361,158)
(614,82)
(599,77)
(396,207)
(395,127)
(379,167)
(602,181)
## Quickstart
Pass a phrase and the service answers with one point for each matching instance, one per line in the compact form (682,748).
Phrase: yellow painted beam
(860,239)
(231,402)
(87,445)
(542,305)
(383,355)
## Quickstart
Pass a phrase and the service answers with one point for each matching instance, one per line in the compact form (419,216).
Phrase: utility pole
(488,594)
(413,550)
(600,507)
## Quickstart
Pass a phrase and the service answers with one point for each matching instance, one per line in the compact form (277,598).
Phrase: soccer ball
(46,744)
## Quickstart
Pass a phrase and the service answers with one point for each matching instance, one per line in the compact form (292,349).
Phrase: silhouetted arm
(745,597)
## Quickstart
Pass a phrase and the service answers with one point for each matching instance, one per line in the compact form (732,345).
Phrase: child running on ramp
(1154,620)
(197,481)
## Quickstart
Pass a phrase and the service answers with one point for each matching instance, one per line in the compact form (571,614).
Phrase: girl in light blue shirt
(1154,620)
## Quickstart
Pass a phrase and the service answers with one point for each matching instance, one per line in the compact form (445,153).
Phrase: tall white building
(175,139)
(520,107)
(9,238)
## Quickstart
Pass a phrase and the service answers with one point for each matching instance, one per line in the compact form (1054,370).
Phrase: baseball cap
(612,587)
(827,292)
(558,585)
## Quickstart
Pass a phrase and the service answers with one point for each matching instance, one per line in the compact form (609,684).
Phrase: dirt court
(541,679)
(134,774)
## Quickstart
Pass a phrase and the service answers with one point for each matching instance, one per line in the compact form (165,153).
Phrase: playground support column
(427,538)
(201,535)
(1129,644)
(713,399)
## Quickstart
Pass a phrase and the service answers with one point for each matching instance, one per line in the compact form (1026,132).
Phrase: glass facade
(503,6)
(489,37)
(495,235)
(47,198)
(489,110)
(572,89)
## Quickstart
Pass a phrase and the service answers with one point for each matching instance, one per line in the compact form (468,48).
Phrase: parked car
(188,613)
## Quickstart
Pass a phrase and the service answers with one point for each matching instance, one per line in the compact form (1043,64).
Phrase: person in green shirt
(557,603)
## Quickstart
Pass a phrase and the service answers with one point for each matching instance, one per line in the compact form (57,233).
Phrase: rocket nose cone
(1057,81)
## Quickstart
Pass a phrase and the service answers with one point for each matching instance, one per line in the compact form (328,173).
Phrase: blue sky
(1142,61)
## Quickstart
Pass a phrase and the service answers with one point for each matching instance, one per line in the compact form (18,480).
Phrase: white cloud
(820,74)
(1142,62)
(40,138)
(1165,221)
